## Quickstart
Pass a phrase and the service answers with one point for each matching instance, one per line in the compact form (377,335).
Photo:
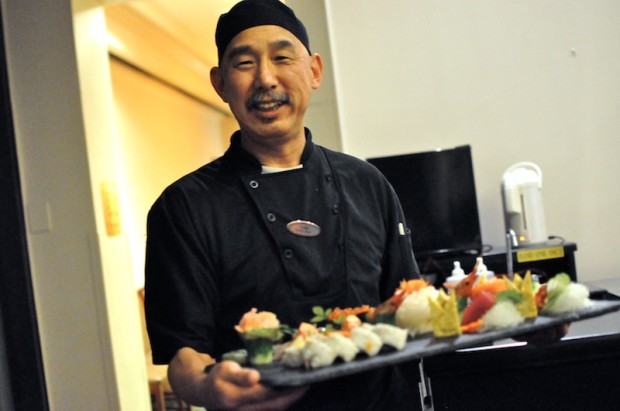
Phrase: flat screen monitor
(438,195)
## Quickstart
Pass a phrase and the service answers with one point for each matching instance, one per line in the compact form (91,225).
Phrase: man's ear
(316,66)
(217,81)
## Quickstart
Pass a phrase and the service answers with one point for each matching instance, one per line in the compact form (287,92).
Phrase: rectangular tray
(276,375)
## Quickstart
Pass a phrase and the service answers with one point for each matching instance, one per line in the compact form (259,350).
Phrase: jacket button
(288,253)
(271,217)
(335,209)
(328,177)
(254,184)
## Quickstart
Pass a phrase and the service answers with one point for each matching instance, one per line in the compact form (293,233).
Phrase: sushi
(504,314)
(561,295)
(259,330)
(317,352)
(293,354)
(366,340)
(386,311)
(389,334)
(344,347)
(414,313)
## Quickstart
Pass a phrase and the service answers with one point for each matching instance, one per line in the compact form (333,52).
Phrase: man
(277,223)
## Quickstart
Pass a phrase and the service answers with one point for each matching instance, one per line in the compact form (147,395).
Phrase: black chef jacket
(218,245)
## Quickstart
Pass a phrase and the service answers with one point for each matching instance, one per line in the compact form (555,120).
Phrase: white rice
(414,313)
(573,298)
(503,314)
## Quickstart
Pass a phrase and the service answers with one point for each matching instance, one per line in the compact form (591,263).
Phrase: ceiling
(191,22)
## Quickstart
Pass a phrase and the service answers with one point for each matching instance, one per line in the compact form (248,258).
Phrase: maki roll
(293,354)
(389,334)
(344,347)
(259,332)
(317,352)
(366,340)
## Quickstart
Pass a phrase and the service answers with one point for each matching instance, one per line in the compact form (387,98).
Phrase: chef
(278,223)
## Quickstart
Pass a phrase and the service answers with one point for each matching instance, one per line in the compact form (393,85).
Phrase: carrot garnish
(412,286)
(338,313)
(349,324)
(472,327)
(493,286)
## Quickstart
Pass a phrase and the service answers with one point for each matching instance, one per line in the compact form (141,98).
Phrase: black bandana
(252,13)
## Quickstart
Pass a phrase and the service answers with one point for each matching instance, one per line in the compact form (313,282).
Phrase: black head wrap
(252,13)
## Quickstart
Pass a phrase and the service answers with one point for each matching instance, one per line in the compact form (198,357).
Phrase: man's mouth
(268,106)
(265,102)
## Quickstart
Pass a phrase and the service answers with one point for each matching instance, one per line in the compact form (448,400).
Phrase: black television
(438,194)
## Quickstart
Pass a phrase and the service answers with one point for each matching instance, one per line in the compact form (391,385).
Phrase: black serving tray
(276,375)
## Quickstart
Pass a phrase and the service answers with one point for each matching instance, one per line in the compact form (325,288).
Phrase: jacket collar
(246,163)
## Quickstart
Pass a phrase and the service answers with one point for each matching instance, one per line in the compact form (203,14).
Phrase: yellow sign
(111,212)
(540,254)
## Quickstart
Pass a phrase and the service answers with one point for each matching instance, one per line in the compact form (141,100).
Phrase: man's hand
(226,386)
(230,386)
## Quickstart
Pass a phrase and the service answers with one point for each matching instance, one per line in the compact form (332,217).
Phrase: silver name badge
(303,228)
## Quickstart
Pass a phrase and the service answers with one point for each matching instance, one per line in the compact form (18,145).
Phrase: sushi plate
(277,375)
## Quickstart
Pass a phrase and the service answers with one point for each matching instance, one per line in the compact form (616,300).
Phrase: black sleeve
(399,262)
(180,289)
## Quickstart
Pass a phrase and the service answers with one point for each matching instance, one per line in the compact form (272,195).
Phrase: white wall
(517,80)
(322,115)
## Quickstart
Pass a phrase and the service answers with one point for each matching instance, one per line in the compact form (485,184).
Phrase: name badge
(303,228)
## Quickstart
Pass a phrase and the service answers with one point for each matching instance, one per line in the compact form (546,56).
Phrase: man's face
(267,76)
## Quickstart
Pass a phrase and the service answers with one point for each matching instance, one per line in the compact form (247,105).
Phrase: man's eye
(282,58)
(244,63)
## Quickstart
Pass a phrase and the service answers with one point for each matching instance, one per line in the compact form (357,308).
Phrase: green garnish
(270,334)
(260,351)
(513,296)
(555,287)
(320,314)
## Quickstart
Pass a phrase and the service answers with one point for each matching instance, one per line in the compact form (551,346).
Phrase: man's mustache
(267,96)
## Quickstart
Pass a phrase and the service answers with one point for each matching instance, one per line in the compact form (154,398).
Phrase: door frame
(17,309)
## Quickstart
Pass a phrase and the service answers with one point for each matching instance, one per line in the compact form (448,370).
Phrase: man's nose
(265,77)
